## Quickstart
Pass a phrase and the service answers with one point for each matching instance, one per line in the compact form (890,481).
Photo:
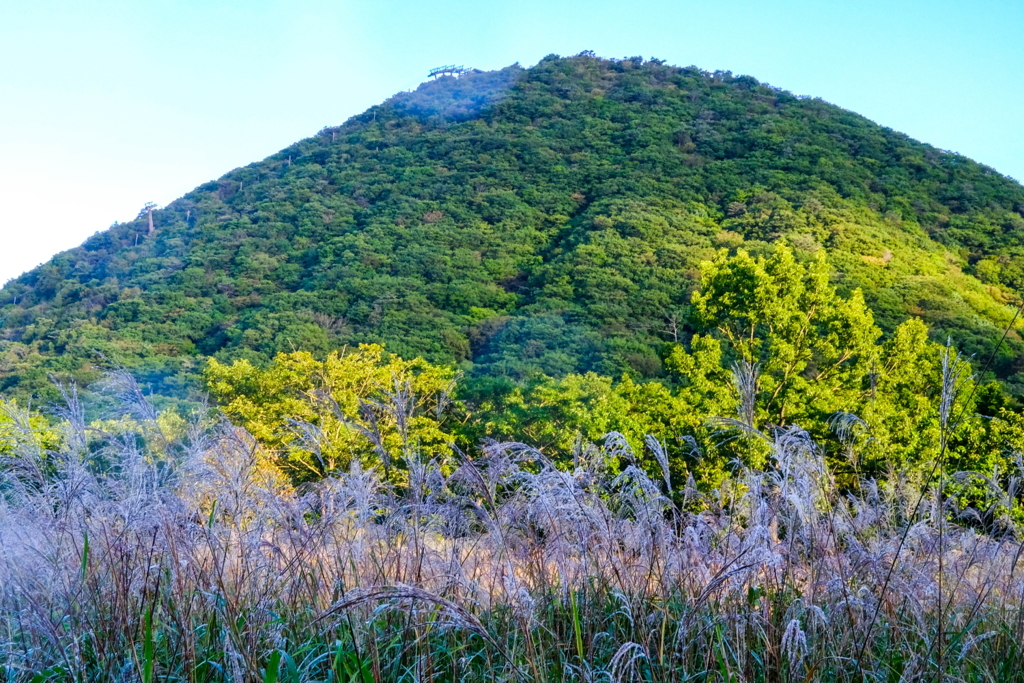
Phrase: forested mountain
(548,220)
(714,352)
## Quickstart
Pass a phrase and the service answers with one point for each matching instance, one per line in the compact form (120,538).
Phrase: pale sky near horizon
(108,104)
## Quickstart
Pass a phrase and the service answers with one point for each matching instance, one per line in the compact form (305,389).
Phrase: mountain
(549,219)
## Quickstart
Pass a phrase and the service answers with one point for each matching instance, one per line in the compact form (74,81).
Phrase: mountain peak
(547,219)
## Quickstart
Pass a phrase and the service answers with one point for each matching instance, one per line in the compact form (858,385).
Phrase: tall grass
(131,556)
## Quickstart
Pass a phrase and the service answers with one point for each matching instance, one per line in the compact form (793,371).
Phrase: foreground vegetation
(153,550)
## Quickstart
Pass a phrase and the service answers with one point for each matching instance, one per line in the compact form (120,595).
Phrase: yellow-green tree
(777,345)
(320,415)
(21,428)
(812,348)
(7,428)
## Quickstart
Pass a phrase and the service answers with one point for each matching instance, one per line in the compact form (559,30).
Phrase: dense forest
(550,237)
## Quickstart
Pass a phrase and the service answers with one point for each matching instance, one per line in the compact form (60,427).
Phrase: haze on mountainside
(544,220)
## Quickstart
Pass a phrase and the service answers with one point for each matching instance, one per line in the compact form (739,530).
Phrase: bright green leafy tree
(363,405)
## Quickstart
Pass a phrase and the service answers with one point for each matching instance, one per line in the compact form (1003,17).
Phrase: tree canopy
(777,346)
(362,405)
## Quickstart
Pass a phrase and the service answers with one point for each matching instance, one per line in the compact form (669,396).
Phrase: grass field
(127,556)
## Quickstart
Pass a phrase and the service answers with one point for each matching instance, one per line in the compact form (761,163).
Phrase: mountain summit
(549,219)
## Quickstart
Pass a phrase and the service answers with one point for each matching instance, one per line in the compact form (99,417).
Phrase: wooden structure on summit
(450,70)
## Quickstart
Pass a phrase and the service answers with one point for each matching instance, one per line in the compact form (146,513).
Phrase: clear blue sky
(107,104)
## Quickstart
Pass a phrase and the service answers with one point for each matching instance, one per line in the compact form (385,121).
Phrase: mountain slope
(548,220)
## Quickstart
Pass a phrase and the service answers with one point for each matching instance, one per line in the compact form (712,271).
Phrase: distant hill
(548,219)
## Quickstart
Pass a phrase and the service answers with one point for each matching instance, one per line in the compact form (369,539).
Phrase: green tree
(811,348)
(777,345)
(363,405)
